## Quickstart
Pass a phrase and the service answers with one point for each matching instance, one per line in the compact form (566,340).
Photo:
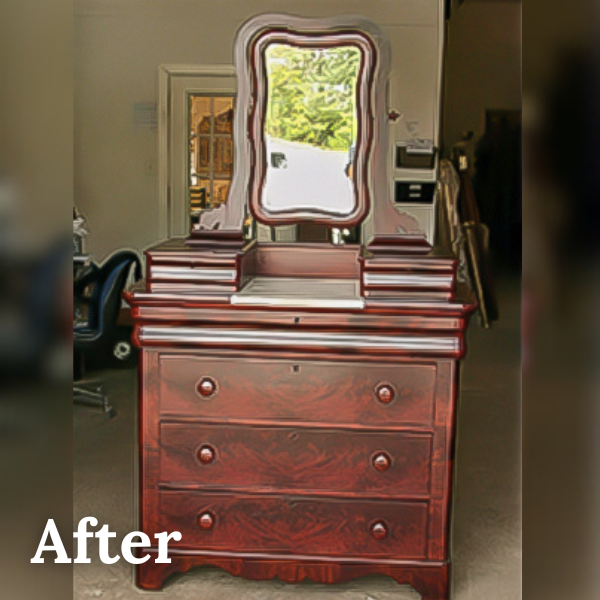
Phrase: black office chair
(100,289)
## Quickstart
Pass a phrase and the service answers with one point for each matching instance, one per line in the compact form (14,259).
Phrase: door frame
(209,79)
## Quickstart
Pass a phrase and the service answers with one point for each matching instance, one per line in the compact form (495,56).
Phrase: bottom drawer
(294,524)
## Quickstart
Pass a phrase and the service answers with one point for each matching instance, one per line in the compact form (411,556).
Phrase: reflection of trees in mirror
(312,95)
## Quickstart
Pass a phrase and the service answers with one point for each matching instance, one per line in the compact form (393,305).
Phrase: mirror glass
(310,128)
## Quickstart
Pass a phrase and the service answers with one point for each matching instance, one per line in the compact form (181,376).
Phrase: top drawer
(308,391)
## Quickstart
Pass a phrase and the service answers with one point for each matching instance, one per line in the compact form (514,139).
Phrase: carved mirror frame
(299,38)
(371,179)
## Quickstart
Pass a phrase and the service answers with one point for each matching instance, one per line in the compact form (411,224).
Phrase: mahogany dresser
(298,400)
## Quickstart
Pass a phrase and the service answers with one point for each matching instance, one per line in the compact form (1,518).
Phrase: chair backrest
(108,288)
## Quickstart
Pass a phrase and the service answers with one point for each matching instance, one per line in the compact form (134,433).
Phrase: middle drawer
(297,459)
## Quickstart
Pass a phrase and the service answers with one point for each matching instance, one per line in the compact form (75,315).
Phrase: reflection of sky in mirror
(310,127)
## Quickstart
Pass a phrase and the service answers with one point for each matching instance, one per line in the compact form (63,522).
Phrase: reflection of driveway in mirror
(314,178)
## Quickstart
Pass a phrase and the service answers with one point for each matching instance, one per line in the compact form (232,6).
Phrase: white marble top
(298,292)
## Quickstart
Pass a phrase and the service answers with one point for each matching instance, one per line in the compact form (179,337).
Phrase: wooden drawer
(234,456)
(299,525)
(310,391)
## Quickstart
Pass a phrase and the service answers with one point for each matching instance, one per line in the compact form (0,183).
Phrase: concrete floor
(486,523)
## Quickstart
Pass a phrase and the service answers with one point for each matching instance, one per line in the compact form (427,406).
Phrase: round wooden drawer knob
(385,393)
(379,530)
(206,454)
(206,387)
(382,461)
(206,521)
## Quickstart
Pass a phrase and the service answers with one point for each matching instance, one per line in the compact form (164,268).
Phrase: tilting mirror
(310,128)
(310,131)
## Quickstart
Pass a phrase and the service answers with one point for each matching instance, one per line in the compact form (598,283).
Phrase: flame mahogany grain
(329,392)
(295,458)
(292,490)
(285,524)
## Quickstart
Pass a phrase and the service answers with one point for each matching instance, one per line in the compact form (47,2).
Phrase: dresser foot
(152,576)
(433,583)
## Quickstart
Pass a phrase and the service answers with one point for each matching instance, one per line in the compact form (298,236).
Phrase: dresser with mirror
(300,348)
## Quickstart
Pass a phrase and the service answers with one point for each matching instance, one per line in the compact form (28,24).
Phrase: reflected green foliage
(312,95)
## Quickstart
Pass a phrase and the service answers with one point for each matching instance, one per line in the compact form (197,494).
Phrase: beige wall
(483,65)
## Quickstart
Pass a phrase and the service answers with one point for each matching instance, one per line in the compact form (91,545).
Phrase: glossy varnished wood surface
(317,260)
(431,580)
(170,443)
(297,390)
(192,311)
(296,462)
(295,524)
(297,459)
(388,278)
